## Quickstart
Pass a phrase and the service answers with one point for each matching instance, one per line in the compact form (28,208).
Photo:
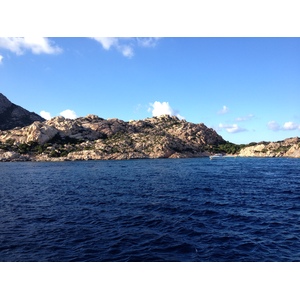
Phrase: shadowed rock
(12,115)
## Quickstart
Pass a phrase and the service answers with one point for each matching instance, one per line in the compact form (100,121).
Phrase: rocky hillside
(26,136)
(12,115)
(92,137)
(287,148)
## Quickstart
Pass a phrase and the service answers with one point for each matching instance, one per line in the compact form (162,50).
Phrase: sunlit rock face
(92,137)
(287,148)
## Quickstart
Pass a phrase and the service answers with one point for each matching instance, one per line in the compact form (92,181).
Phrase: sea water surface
(243,209)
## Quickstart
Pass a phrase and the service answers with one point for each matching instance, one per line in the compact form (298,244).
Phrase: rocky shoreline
(162,137)
(85,155)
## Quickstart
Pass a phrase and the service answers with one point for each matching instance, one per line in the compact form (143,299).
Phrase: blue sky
(247,89)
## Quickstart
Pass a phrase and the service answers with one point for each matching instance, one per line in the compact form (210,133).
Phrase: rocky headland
(92,137)
(25,136)
(287,148)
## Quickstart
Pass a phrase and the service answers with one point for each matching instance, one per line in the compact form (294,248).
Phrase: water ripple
(151,210)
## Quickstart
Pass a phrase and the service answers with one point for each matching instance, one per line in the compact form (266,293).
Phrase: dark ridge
(12,115)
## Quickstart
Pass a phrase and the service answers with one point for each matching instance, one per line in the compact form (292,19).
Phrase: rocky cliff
(12,115)
(92,137)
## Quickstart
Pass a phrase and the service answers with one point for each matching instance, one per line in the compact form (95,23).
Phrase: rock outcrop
(12,115)
(288,148)
(92,137)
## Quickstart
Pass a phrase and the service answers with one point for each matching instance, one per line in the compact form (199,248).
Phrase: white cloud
(290,126)
(273,125)
(163,108)
(245,118)
(117,43)
(126,50)
(68,114)
(1,58)
(147,42)
(19,45)
(107,42)
(125,46)
(224,110)
(231,128)
(46,115)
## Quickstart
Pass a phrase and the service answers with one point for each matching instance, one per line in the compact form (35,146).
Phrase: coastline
(15,157)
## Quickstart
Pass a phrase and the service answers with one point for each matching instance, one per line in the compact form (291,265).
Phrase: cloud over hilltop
(274,126)
(46,115)
(290,126)
(163,108)
(68,114)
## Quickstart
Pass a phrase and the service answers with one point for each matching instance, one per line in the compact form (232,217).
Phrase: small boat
(216,156)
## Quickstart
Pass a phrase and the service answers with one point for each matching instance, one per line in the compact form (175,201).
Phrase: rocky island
(95,138)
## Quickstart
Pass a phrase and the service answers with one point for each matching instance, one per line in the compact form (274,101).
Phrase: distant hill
(12,115)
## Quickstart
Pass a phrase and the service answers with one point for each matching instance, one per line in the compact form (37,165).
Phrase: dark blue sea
(192,210)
